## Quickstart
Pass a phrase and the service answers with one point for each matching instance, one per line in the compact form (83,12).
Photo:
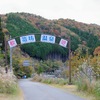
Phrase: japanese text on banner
(12,43)
(63,43)
(48,38)
(27,39)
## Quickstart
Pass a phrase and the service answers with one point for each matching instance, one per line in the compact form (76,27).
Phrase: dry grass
(19,96)
(90,88)
(49,80)
(73,90)
(9,89)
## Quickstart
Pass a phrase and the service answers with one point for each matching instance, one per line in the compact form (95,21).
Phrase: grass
(47,80)
(9,88)
(90,88)
(18,96)
(73,90)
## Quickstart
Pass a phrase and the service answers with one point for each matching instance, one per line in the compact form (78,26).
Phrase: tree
(97,51)
(82,50)
(1,37)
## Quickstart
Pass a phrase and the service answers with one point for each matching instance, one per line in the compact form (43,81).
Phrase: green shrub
(49,81)
(62,82)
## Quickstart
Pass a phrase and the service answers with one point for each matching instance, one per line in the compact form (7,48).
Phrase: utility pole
(10,58)
(5,49)
(6,60)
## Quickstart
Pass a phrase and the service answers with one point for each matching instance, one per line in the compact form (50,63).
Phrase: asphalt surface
(39,91)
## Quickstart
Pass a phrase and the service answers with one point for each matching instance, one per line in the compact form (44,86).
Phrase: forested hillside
(23,23)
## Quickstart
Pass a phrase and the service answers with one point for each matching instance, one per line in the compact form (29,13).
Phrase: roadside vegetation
(85,73)
(9,89)
(49,80)
(92,88)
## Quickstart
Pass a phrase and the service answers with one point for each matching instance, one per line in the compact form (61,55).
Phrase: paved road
(38,91)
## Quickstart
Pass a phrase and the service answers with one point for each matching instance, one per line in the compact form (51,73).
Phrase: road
(39,91)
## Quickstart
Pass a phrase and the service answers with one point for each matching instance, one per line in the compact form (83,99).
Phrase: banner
(12,43)
(27,39)
(48,38)
(63,42)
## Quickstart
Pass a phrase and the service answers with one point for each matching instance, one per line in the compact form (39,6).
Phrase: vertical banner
(27,39)
(48,38)
(12,43)
(63,43)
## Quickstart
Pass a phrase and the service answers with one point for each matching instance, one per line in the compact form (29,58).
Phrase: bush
(62,82)
(47,80)
(37,78)
(24,71)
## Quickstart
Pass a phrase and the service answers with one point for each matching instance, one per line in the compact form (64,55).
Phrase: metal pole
(10,58)
(70,62)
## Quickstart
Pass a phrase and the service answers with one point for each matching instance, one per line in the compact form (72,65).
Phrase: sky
(86,11)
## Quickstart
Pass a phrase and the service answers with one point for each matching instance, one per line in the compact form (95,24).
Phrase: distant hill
(25,23)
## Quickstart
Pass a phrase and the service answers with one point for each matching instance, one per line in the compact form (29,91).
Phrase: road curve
(39,91)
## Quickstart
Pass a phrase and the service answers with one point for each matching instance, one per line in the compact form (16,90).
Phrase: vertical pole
(5,49)
(69,61)
(6,68)
(10,58)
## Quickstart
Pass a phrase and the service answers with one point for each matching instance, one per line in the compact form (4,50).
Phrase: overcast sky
(87,11)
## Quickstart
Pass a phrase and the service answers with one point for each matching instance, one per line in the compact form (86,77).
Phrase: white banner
(48,38)
(63,42)
(12,43)
(27,39)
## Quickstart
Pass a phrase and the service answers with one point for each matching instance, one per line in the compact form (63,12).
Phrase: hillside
(24,23)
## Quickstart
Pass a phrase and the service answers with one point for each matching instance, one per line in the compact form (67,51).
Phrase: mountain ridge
(23,23)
